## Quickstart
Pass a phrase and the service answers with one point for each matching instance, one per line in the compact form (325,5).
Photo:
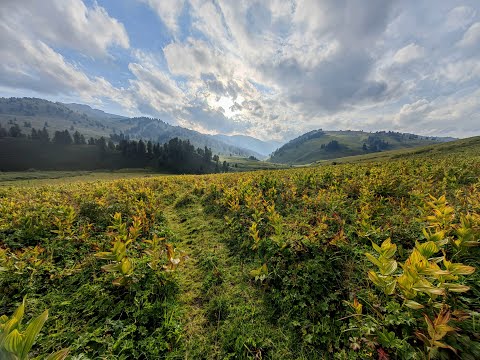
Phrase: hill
(37,113)
(89,111)
(159,131)
(319,145)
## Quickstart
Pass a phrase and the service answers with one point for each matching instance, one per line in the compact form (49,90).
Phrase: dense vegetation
(67,152)
(355,261)
(321,145)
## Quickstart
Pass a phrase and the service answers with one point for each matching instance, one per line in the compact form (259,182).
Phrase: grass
(246,164)
(222,311)
(37,178)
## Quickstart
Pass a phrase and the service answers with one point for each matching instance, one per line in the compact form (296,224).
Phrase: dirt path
(222,311)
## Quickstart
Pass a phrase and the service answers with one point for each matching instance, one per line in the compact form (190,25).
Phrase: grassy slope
(351,141)
(88,129)
(461,146)
(245,164)
(37,178)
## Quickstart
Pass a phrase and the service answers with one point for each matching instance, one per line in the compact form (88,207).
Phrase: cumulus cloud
(192,58)
(30,31)
(32,64)
(65,23)
(457,115)
(410,113)
(409,53)
(471,37)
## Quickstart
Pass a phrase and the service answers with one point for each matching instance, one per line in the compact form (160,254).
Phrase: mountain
(264,148)
(322,145)
(159,131)
(36,113)
(94,113)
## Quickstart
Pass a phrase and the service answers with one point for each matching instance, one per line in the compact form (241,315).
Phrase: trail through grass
(222,310)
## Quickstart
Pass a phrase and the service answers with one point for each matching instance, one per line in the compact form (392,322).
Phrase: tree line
(176,155)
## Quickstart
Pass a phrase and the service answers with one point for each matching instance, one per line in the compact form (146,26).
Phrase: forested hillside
(39,150)
(39,113)
(321,145)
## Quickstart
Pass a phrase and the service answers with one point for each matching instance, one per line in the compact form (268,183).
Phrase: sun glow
(225,104)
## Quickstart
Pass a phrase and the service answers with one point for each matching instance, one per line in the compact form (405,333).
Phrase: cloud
(409,53)
(34,65)
(168,11)
(460,17)
(459,72)
(410,113)
(31,33)
(65,23)
(471,37)
(192,59)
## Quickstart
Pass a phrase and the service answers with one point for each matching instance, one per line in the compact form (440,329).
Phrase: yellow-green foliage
(302,233)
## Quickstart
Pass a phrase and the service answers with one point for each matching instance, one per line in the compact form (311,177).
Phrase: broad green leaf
(456,287)
(390,288)
(111,267)
(413,304)
(105,255)
(388,267)
(427,249)
(429,290)
(430,326)
(442,330)
(372,275)
(126,266)
(444,346)
(59,355)
(460,269)
(14,342)
(373,259)
(31,332)
(388,249)
(377,248)
(18,314)
(5,355)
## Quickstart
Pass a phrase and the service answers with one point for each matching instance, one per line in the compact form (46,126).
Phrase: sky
(272,69)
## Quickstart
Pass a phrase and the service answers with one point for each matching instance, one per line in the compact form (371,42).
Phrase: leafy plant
(436,331)
(121,239)
(422,280)
(16,344)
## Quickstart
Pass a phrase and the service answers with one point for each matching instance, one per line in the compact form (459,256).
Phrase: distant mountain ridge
(37,113)
(159,131)
(319,145)
(264,148)
(91,112)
